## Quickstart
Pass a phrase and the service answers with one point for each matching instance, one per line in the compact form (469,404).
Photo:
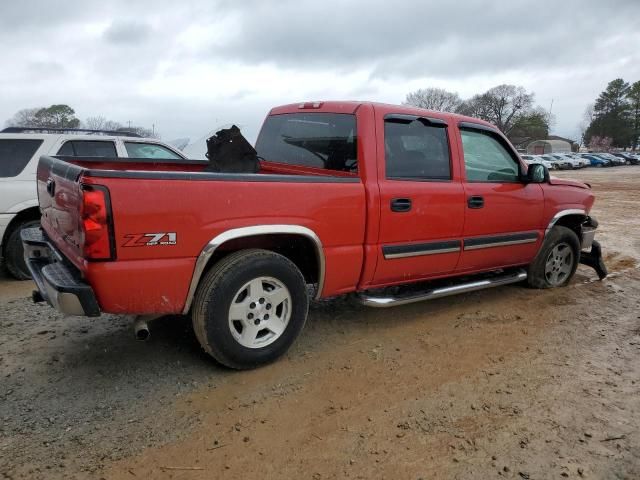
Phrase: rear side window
(88,148)
(320,140)
(416,150)
(15,154)
(149,150)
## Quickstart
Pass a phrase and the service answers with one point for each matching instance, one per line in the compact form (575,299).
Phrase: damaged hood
(570,183)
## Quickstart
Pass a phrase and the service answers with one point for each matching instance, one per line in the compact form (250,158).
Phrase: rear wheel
(249,308)
(557,259)
(14,252)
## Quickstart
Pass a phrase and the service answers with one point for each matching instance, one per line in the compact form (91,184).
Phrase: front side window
(88,148)
(149,150)
(486,159)
(416,150)
(15,155)
(319,140)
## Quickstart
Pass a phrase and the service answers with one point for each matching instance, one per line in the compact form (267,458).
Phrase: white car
(529,159)
(20,150)
(563,157)
(562,164)
(583,162)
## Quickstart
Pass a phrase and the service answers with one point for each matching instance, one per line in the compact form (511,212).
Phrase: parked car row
(565,161)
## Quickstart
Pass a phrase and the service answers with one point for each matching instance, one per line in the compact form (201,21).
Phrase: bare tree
(24,118)
(434,99)
(101,123)
(142,131)
(507,104)
(478,106)
(587,119)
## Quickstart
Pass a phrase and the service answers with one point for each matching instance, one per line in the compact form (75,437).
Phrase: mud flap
(594,260)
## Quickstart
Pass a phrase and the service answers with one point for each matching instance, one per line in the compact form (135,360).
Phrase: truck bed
(160,168)
(178,200)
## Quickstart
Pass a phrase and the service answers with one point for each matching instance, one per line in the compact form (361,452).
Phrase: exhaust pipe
(141,329)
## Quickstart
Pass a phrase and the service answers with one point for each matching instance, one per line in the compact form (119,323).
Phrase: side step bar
(392,301)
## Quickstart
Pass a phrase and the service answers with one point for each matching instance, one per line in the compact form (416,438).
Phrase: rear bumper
(58,282)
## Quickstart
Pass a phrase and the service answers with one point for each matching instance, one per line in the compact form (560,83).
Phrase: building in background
(538,147)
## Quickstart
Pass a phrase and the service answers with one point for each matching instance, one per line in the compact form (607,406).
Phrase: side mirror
(537,173)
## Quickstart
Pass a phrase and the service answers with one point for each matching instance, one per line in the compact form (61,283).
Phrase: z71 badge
(149,239)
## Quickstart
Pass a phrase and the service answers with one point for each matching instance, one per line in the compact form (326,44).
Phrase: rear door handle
(475,202)
(400,204)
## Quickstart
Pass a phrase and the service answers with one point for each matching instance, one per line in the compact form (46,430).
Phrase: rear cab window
(319,140)
(89,148)
(15,155)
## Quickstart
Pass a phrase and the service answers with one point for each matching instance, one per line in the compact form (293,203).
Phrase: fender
(19,207)
(564,213)
(232,234)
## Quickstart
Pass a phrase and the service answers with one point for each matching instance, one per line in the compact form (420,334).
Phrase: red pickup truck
(350,197)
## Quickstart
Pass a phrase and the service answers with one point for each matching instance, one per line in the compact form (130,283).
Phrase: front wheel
(557,259)
(249,308)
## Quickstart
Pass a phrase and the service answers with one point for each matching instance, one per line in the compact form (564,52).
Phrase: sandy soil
(504,383)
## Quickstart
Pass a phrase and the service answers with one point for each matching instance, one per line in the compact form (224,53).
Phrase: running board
(392,301)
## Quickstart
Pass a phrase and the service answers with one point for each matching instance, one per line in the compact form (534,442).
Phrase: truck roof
(350,106)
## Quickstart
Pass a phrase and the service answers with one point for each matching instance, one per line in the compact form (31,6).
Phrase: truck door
(421,198)
(503,215)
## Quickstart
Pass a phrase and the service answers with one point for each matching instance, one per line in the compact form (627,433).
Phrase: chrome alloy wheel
(559,264)
(260,312)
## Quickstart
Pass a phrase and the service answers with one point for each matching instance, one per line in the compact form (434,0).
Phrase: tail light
(96,223)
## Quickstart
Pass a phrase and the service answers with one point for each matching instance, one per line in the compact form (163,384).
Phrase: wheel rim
(559,264)
(260,312)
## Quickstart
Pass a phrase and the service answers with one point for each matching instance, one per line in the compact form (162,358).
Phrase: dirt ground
(503,383)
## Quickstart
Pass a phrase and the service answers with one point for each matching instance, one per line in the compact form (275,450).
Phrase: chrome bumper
(591,254)
(58,283)
(588,233)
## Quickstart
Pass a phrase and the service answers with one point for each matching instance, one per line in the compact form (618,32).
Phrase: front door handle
(475,202)
(400,204)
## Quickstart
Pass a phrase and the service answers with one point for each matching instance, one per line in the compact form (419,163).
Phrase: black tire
(538,274)
(14,253)
(219,288)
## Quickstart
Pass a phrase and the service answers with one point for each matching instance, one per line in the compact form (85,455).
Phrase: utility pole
(153,129)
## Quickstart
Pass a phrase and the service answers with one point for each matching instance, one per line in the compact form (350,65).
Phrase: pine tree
(612,115)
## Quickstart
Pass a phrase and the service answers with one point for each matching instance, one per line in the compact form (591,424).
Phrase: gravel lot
(504,383)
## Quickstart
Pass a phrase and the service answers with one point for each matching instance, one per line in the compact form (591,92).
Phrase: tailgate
(60,198)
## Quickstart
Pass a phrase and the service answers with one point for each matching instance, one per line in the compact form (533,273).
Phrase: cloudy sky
(189,67)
